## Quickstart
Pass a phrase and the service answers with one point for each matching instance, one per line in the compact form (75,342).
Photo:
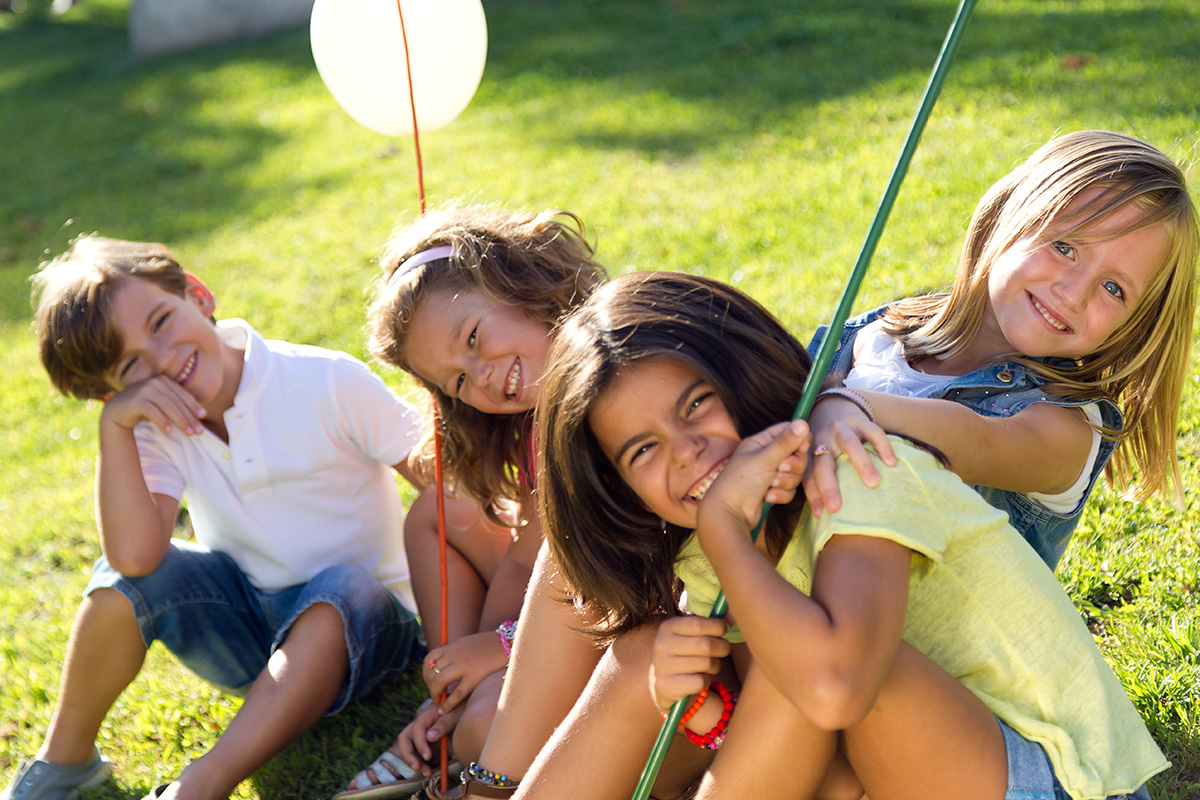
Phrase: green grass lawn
(744,140)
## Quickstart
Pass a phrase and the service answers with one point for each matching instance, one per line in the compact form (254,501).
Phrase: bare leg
(104,655)
(299,684)
(475,548)
(772,751)
(616,717)
(472,730)
(926,736)
(551,664)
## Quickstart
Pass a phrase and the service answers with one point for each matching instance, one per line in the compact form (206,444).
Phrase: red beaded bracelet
(691,712)
(713,739)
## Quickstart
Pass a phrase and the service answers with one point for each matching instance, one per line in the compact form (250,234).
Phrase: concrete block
(158,26)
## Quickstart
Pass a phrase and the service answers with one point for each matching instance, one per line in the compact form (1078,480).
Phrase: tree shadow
(92,134)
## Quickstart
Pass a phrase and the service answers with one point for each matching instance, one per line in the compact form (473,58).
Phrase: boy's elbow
(134,563)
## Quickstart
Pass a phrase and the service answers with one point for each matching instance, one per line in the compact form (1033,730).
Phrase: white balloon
(359,51)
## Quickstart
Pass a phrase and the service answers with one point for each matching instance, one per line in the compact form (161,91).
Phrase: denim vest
(1001,390)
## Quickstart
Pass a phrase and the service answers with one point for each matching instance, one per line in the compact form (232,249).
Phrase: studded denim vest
(1001,390)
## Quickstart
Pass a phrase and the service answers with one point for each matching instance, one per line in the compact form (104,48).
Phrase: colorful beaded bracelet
(481,775)
(713,739)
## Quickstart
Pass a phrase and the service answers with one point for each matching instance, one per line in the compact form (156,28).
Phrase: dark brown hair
(612,550)
(76,338)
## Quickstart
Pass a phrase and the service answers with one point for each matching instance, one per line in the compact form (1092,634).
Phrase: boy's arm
(406,472)
(135,526)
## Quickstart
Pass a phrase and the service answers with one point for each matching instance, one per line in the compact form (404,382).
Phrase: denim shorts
(203,608)
(1030,775)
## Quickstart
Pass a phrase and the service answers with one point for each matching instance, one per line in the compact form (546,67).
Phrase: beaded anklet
(713,739)
(488,778)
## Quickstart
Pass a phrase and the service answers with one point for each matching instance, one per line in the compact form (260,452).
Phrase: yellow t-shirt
(985,608)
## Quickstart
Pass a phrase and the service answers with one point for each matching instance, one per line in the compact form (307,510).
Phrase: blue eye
(471,338)
(1112,288)
(462,378)
(1064,249)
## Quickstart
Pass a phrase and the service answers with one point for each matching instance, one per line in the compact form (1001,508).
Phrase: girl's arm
(507,589)
(470,659)
(828,653)
(1001,452)
(1008,453)
(552,661)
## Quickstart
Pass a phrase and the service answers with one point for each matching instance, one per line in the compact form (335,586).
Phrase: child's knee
(106,603)
(348,586)
(421,519)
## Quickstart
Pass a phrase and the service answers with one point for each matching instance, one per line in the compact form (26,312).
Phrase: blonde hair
(1143,365)
(77,340)
(539,262)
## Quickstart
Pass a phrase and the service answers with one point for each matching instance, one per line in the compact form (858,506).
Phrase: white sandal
(388,776)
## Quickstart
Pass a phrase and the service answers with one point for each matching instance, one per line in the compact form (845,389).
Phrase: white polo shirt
(305,482)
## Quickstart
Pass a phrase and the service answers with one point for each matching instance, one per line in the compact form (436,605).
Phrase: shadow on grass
(324,760)
(130,147)
(752,65)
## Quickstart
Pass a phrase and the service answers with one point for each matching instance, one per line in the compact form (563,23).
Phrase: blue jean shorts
(201,606)
(1030,775)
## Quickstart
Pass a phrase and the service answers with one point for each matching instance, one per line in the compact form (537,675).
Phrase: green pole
(825,352)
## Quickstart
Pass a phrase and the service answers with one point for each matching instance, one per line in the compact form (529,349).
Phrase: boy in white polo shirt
(296,592)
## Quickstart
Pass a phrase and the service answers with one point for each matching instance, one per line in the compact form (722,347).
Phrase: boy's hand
(765,467)
(157,400)
(460,666)
(687,653)
(840,426)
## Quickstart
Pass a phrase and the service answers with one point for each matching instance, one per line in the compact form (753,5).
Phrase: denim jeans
(1030,775)
(201,606)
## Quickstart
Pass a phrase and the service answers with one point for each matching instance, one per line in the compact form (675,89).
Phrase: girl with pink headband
(466,303)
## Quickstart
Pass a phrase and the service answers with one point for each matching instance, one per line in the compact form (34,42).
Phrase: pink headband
(423,257)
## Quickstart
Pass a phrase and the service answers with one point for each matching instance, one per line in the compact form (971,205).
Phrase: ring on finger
(433,665)
(821,450)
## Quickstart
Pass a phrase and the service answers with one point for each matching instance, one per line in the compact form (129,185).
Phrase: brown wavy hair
(76,338)
(1143,366)
(615,553)
(540,262)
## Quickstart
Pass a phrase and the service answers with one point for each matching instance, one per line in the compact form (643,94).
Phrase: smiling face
(667,433)
(488,354)
(1065,296)
(165,334)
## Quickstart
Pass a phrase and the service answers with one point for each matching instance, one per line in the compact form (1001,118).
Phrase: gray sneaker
(40,780)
